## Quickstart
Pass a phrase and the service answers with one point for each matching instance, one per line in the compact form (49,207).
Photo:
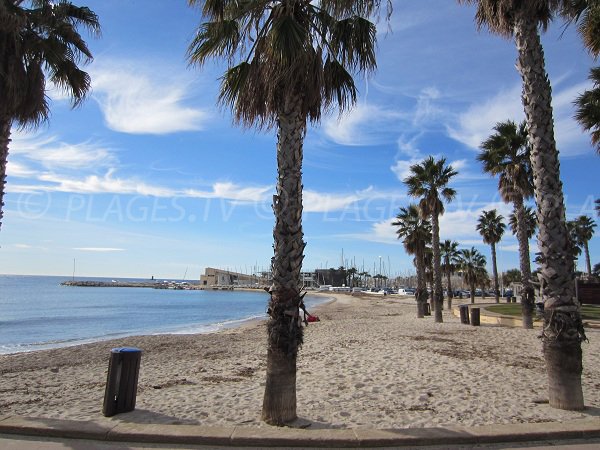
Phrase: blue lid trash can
(121,381)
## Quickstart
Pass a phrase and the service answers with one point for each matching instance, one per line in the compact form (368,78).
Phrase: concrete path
(60,434)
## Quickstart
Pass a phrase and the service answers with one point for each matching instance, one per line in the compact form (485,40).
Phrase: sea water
(36,312)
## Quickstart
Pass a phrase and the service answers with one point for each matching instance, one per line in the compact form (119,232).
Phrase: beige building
(219,277)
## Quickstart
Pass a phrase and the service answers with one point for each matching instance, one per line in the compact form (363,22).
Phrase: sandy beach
(368,363)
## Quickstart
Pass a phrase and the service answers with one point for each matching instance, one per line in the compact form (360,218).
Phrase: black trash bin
(464,314)
(121,381)
(475,317)
(426,309)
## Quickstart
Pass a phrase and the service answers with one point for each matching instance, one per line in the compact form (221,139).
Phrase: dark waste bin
(121,381)
(426,309)
(475,317)
(464,314)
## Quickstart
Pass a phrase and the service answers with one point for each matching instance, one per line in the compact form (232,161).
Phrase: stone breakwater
(130,284)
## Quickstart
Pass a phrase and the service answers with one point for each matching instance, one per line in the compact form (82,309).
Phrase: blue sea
(37,313)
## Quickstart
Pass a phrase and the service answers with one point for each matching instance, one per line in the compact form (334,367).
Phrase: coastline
(368,363)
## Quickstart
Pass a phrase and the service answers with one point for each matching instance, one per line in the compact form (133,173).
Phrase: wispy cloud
(476,124)
(52,153)
(135,101)
(232,191)
(325,202)
(99,249)
(366,124)
(94,184)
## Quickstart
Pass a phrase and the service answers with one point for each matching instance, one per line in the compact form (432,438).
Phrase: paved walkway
(124,435)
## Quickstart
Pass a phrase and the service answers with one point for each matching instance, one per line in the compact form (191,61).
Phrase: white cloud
(477,122)
(99,249)
(135,102)
(231,191)
(94,184)
(402,167)
(18,170)
(364,125)
(321,202)
(53,154)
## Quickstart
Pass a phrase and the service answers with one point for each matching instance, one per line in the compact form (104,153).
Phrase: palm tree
(506,153)
(491,227)
(415,232)
(563,330)
(449,255)
(39,41)
(287,61)
(530,222)
(586,13)
(597,206)
(471,264)
(429,182)
(588,108)
(583,229)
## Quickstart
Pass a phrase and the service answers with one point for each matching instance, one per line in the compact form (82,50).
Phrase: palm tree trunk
(472,286)
(450,293)
(438,296)
(495,273)
(284,330)
(527,298)
(5,124)
(421,294)
(588,263)
(563,329)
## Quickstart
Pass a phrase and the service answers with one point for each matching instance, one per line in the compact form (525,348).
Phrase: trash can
(121,381)
(426,309)
(464,314)
(475,317)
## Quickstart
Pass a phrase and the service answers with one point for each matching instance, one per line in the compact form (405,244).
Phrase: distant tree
(39,42)
(511,276)
(583,230)
(588,108)
(449,253)
(415,232)
(491,227)
(530,222)
(597,206)
(596,269)
(506,154)
(428,181)
(471,265)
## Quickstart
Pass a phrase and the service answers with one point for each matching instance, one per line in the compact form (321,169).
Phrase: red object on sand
(311,318)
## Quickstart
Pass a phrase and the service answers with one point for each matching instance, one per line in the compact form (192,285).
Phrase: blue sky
(149,177)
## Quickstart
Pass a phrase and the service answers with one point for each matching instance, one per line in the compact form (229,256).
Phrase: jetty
(132,284)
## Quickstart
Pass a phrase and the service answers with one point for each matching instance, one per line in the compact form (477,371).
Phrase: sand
(368,363)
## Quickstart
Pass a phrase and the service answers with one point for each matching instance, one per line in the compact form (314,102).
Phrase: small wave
(211,327)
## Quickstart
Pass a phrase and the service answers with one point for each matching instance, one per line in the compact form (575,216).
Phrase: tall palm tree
(491,227)
(39,41)
(588,108)
(506,154)
(583,232)
(530,222)
(586,13)
(449,255)
(471,264)
(563,330)
(286,62)
(428,181)
(415,233)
